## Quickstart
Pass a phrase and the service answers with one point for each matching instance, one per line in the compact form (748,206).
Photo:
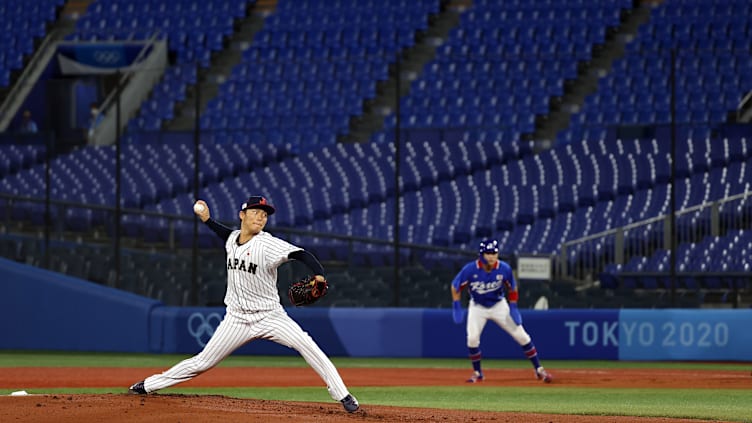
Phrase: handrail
(744,109)
(106,132)
(113,94)
(315,234)
(656,219)
(587,266)
(21,88)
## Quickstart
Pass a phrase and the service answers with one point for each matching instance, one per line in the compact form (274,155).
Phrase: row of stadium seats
(488,66)
(353,48)
(288,66)
(533,202)
(711,56)
(536,208)
(167,277)
(194,30)
(535,83)
(21,24)
(695,262)
(282,38)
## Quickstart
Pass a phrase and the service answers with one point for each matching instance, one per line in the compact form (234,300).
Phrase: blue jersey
(486,288)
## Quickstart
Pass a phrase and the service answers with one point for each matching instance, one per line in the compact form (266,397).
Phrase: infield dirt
(212,408)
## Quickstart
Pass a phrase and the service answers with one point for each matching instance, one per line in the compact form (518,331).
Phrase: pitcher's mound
(214,408)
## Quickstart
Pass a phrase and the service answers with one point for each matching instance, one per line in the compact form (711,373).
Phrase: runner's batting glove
(514,312)
(458,314)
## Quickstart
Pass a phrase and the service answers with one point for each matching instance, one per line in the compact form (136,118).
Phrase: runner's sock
(475,358)
(531,354)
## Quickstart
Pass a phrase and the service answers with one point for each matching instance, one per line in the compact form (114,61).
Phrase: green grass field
(716,404)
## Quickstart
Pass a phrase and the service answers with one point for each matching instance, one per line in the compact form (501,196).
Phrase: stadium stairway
(493,77)
(412,61)
(587,81)
(24,31)
(209,79)
(710,45)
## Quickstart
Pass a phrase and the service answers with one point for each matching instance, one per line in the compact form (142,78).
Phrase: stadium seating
(710,43)
(194,30)
(701,265)
(502,64)
(16,157)
(312,67)
(21,25)
(532,203)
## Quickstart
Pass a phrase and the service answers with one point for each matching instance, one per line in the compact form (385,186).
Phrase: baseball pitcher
(254,310)
(487,280)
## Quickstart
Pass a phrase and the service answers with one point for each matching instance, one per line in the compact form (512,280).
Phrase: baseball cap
(488,246)
(258,202)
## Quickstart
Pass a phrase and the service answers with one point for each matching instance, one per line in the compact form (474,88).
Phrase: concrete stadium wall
(42,310)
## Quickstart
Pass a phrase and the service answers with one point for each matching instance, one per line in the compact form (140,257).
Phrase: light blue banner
(685,335)
(43,310)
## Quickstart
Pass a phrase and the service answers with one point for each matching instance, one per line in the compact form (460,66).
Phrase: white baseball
(199,208)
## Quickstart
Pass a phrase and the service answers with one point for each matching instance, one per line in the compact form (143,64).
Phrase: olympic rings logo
(107,57)
(202,327)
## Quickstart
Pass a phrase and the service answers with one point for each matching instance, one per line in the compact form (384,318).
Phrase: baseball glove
(307,291)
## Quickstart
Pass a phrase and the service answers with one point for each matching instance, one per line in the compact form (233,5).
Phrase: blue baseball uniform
(493,296)
(486,288)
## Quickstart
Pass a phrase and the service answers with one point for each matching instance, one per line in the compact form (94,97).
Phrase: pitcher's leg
(229,336)
(285,331)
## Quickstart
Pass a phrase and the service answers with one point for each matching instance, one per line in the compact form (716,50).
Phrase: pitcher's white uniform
(254,312)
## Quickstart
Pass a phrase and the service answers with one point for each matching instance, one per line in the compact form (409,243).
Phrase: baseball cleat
(350,403)
(137,388)
(541,373)
(476,377)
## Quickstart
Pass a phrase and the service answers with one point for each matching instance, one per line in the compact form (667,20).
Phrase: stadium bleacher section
(710,41)
(502,64)
(21,25)
(311,68)
(193,29)
(275,123)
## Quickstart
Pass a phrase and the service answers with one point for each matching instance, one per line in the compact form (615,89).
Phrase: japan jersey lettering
(252,271)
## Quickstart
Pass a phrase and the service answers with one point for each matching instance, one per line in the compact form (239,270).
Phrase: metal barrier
(583,259)
(183,266)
